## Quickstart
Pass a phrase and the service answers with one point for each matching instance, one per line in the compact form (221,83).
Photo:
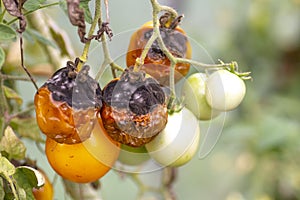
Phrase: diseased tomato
(83,162)
(224,90)
(156,62)
(67,104)
(134,109)
(178,142)
(194,95)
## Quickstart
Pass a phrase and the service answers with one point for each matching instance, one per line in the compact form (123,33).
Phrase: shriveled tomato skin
(134,108)
(59,121)
(156,63)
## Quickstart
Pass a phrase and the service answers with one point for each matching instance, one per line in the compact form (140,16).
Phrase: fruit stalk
(97,16)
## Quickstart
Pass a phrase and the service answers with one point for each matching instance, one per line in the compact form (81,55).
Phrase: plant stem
(3,108)
(12,77)
(107,57)
(31,11)
(86,48)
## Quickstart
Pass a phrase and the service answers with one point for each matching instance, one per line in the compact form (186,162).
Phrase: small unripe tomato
(224,90)
(83,162)
(194,95)
(178,142)
(156,62)
(46,191)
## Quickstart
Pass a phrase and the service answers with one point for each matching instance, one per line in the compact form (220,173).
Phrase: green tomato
(224,90)
(178,142)
(193,92)
(133,155)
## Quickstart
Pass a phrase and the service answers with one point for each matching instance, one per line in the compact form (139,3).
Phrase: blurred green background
(256,155)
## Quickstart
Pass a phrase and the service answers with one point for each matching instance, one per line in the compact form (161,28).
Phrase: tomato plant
(83,126)
(178,142)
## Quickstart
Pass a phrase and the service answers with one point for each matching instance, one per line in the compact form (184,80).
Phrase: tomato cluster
(86,127)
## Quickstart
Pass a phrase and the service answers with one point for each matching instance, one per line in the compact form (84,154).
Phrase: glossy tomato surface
(83,162)
(178,142)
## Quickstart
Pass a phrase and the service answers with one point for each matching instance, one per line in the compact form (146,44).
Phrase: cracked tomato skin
(134,109)
(66,107)
(156,63)
(83,162)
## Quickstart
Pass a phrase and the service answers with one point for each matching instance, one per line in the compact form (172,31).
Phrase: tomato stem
(86,48)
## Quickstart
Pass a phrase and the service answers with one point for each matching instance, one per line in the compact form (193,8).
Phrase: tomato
(134,109)
(83,162)
(156,62)
(67,104)
(193,92)
(224,90)
(46,191)
(133,155)
(178,142)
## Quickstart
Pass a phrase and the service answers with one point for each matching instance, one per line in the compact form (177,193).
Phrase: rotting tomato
(224,90)
(67,104)
(84,162)
(178,142)
(134,109)
(194,95)
(46,191)
(156,62)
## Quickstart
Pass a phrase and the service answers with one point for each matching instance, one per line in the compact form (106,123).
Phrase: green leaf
(6,168)
(33,4)
(2,57)
(7,33)
(36,35)
(84,4)
(11,94)
(12,145)
(26,181)
(27,127)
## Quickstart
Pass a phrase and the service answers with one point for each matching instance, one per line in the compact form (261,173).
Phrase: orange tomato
(84,162)
(156,63)
(46,191)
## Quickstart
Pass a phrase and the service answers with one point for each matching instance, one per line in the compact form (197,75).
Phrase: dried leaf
(14,9)
(76,16)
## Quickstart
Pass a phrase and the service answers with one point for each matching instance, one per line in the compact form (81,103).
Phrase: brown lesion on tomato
(134,109)
(67,105)
(156,63)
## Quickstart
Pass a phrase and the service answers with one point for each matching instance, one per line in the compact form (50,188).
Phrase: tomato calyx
(234,68)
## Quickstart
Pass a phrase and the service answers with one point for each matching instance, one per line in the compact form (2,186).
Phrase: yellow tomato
(45,192)
(84,162)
